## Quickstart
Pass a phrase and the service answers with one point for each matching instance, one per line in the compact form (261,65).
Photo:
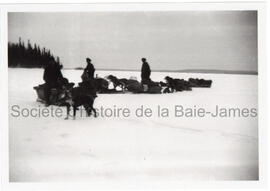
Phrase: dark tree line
(29,56)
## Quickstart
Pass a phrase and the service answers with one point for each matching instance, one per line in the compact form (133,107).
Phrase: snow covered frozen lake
(136,148)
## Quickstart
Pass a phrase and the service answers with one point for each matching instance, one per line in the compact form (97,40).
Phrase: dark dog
(176,84)
(101,85)
(118,82)
(76,98)
(162,84)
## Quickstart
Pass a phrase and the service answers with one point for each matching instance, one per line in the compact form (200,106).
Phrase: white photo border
(260,7)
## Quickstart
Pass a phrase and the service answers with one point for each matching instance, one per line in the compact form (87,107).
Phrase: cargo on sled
(57,95)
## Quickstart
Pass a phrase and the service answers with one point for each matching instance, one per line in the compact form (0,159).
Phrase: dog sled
(200,83)
(134,90)
(57,95)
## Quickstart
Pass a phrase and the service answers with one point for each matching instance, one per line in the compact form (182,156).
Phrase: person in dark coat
(52,75)
(85,75)
(145,72)
(90,68)
(88,81)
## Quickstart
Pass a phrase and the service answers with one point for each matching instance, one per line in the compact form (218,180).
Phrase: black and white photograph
(133,95)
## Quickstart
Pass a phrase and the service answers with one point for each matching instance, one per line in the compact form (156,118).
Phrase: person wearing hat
(145,75)
(145,71)
(90,69)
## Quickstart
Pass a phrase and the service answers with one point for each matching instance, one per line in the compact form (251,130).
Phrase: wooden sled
(57,96)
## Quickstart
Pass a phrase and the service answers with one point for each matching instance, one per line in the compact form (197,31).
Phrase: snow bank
(136,148)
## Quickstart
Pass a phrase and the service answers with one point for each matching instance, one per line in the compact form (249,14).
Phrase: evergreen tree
(30,57)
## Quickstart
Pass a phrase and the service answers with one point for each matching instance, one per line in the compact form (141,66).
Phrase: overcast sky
(225,40)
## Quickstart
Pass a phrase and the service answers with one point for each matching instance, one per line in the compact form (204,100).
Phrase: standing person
(90,69)
(52,75)
(145,72)
(88,81)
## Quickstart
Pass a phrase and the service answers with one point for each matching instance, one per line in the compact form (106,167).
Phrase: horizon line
(215,71)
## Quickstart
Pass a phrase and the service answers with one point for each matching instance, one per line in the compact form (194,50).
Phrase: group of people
(53,77)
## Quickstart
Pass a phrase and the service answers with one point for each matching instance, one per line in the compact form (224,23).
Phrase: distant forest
(29,56)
